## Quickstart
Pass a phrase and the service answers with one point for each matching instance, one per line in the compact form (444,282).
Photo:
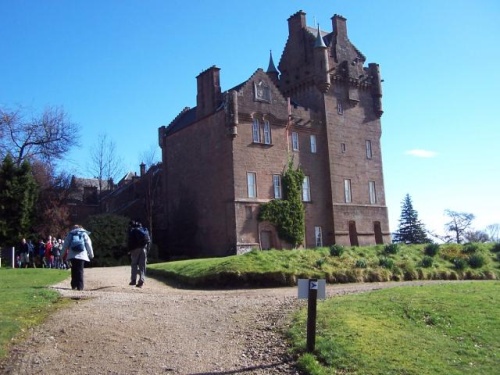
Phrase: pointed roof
(320,43)
(271,68)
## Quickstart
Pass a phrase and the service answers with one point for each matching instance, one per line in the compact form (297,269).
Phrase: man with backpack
(138,241)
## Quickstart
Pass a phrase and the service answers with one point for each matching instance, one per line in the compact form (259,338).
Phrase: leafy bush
(336,250)
(320,262)
(459,263)
(386,263)
(470,248)
(476,261)
(360,263)
(391,248)
(287,214)
(427,261)
(496,247)
(431,249)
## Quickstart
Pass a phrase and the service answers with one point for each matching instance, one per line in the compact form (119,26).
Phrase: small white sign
(308,284)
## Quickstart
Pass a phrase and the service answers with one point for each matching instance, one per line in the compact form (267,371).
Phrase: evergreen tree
(18,195)
(411,229)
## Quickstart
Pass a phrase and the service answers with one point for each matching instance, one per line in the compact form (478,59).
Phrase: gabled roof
(183,119)
(187,116)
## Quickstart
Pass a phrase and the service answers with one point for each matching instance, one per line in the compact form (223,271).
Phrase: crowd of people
(44,254)
(76,249)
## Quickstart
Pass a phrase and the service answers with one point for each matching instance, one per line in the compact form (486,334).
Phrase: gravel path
(112,328)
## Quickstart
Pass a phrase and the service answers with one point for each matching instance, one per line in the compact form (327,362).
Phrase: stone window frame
(261,131)
(252,184)
(306,189)
(318,236)
(314,144)
(295,141)
(369,150)
(372,192)
(277,189)
(347,191)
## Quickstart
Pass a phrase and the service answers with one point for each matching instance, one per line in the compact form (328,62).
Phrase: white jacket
(84,255)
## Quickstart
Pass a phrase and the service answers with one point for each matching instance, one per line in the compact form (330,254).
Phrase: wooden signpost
(312,289)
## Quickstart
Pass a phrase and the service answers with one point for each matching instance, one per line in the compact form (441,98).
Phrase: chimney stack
(209,91)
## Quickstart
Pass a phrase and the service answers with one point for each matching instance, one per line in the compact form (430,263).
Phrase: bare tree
(151,181)
(459,224)
(493,231)
(47,137)
(105,164)
(476,236)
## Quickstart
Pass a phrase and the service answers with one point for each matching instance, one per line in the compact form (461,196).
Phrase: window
(267,133)
(252,185)
(295,141)
(261,132)
(313,144)
(340,108)
(277,186)
(347,191)
(342,148)
(256,131)
(368,149)
(318,236)
(373,192)
(306,190)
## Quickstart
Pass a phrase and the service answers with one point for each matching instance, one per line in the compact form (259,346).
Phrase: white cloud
(421,153)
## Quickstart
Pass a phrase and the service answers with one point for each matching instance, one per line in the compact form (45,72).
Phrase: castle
(321,108)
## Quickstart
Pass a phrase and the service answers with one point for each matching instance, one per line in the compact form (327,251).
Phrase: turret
(321,64)
(374,70)
(272,72)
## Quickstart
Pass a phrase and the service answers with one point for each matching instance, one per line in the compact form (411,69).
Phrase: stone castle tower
(223,158)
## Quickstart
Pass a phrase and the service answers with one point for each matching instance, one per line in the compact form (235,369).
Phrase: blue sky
(127,67)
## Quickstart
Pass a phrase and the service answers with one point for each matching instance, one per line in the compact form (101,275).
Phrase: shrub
(431,249)
(427,261)
(476,261)
(496,247)
(361,263)
(386,263)
(498,257)
(459,263)
(391,248)
(336,250)
(320,262)
(470,248)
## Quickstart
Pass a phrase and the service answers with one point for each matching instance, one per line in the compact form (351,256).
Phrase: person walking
(77,248)
(24,254)
(138,241)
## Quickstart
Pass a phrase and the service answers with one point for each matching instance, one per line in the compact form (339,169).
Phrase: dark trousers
(77,273)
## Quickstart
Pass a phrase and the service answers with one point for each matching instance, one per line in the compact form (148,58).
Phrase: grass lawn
(25,301)
(379,263)
(439,329)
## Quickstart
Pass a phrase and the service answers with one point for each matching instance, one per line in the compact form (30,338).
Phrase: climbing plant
(287,214)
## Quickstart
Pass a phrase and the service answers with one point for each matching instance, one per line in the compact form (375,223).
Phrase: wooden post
(311,314)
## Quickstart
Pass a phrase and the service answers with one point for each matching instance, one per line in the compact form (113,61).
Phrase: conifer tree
(18,194)
(411,229)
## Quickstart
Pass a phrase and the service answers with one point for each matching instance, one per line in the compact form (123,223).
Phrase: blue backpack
(77,242)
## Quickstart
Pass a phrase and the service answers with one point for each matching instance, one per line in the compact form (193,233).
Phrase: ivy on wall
(287,214)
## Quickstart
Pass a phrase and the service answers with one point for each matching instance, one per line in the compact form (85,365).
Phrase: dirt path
(113,328)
